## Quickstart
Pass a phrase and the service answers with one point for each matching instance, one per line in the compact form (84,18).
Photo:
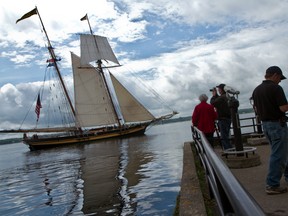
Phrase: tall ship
(103,108)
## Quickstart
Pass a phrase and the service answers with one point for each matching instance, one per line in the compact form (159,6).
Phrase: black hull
(36,143)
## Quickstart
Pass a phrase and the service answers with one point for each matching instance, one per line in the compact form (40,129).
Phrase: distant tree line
(188,118)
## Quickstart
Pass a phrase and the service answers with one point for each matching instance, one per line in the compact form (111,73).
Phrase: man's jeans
(224,126)
(278,140)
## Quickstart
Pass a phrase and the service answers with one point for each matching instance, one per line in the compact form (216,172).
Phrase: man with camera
(220,102)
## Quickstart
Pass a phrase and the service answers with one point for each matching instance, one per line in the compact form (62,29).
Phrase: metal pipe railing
(230,196)
(255,126)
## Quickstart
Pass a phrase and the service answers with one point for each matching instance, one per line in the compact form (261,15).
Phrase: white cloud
(242,39)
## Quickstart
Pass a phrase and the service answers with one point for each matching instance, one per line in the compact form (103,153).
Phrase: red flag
(50,60)
(53,60)
(38,107)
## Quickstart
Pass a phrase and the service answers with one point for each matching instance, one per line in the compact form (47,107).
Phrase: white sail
(92,104)
(131,109)
(94,47)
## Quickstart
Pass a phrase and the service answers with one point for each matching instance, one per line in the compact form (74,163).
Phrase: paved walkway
(252,179)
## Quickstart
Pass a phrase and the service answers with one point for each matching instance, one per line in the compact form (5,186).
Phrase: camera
(212,89)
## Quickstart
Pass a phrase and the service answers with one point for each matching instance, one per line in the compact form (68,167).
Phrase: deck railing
(230,196)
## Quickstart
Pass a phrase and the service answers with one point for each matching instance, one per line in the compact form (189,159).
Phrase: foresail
(92,104)
(94,47)
(132,110)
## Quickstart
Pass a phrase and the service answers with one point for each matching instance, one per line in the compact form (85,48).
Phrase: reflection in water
(50,199)
(99,172)
(107,171)
(131,159)
(44,183)
(133,176)
(124,160)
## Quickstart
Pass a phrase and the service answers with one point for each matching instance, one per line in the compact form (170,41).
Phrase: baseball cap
(221,86)
(275,70)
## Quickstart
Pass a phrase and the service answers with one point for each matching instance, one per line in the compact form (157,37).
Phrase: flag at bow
(38,107)
(27,15)
(84,18)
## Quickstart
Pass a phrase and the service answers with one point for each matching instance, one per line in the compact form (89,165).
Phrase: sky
(180,49)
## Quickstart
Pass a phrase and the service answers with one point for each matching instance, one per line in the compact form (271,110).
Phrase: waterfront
(131,176)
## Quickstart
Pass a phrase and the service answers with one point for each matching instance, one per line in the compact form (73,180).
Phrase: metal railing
(251,124)
(230,196)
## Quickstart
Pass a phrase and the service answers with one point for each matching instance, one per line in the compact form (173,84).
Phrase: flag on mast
(84,18)
(38,107)
(27,15)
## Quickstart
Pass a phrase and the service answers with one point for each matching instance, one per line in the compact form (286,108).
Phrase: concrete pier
(252,179)
(191,199)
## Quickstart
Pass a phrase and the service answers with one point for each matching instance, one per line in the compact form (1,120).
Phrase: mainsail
(92,104)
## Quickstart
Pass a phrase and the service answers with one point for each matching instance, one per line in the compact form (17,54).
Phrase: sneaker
(270,190)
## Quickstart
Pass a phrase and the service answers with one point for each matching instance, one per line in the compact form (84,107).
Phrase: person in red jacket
(204,117)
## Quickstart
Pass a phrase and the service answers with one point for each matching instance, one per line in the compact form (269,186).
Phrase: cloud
(17,100)
(181,49)
(238,59)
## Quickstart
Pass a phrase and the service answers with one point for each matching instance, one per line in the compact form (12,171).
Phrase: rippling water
(131,176)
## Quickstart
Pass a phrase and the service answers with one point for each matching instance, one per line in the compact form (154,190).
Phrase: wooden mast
(53,56)
(99,63)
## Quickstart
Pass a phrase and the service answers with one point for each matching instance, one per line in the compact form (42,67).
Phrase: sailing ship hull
(36,143)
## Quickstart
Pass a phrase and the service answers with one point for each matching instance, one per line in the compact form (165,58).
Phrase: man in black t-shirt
(271,104)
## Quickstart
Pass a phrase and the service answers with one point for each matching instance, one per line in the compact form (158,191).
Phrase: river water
(130,176)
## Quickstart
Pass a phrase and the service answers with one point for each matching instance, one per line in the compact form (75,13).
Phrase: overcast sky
(180,48)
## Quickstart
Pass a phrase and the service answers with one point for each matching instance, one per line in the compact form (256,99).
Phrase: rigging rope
(149,88)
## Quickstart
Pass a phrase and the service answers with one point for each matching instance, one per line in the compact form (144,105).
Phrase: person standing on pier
(224,115)
(271,104)
(204,117)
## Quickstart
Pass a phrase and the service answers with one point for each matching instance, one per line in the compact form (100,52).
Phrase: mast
(108,90)
(53,56)
(99,63)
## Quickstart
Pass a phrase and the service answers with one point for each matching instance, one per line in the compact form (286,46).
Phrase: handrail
(230,196)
